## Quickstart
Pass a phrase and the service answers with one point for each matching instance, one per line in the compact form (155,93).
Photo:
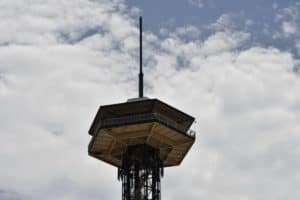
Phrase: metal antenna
(141,75)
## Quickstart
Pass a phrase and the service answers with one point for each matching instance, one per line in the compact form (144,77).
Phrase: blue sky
(233,65)
(260,18)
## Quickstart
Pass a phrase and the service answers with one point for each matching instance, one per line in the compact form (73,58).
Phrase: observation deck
(141,121)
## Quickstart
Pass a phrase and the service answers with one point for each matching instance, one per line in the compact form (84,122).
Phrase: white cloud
(72,56)
(289,28)
(275,6)
(289,18)
(298,46)
(224,22)
(249,22)
(198,3)
(188,31)
(224,41)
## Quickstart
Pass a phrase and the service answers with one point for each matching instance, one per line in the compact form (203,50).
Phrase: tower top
(140,137)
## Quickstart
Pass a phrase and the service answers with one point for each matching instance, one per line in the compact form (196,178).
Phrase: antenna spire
(141,75)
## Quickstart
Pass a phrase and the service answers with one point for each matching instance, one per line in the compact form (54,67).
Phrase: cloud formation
(60,60)
(198,3)
(289,20)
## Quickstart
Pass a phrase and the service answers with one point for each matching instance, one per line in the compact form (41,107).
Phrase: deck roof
(140,107)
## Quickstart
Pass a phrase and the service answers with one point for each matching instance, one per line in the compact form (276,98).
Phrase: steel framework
(140,173)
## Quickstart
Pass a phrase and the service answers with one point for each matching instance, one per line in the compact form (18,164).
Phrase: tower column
(140,173)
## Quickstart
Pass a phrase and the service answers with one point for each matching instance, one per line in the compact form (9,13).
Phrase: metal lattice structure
(140,138)
(140,173)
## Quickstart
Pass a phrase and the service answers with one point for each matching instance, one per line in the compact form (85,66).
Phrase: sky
(233,65)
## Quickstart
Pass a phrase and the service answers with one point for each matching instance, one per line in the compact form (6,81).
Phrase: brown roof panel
(140,107)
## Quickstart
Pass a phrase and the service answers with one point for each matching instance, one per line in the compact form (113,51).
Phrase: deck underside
(109,144)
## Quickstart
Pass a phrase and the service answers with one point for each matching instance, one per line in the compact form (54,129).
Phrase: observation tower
(140,138)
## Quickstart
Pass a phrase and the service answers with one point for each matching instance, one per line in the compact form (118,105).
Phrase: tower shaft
(140,173)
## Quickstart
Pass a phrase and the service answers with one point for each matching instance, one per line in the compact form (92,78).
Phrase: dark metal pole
(141,75)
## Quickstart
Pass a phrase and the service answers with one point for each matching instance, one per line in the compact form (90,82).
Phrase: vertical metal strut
(140,173)
(141,75)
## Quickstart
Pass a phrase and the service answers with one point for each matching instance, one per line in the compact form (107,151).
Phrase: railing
(191,133)
(145,118)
